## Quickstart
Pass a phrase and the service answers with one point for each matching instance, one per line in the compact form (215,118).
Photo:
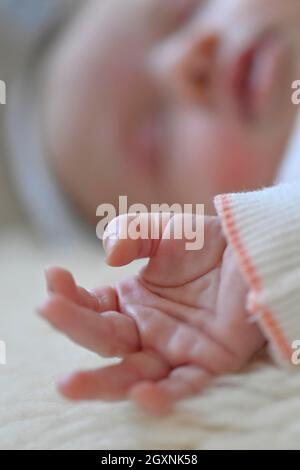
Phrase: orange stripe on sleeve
(265,316)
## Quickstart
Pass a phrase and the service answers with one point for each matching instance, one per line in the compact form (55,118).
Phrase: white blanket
(258,408)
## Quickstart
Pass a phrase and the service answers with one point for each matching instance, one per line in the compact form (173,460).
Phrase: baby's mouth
(258,74)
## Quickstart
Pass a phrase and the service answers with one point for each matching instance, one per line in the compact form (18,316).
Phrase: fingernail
(47,270)
(64,380)
(48,279)
(109,244)
(41,308)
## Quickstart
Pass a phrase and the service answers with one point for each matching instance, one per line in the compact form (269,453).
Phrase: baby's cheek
(238,164)
(247,158)
(217,158)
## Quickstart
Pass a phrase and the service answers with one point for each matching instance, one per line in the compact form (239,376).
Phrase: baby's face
(171,100)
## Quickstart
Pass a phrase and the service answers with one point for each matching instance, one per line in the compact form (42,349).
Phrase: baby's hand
(177,324)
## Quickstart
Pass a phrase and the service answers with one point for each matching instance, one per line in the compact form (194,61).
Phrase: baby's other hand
(177,325)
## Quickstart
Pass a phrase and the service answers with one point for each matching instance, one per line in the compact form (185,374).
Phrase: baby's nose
(186,67)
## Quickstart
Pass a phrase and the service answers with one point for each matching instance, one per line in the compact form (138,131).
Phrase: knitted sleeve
(263,227)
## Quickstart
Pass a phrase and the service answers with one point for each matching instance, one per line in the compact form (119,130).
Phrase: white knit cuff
(264,229)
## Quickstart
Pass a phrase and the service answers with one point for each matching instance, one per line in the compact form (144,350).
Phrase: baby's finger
(159,397)
(173,242)
(109,334)
(61,282)
(134,236)
(113,382)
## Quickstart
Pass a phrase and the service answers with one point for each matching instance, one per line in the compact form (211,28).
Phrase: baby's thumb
(133,236)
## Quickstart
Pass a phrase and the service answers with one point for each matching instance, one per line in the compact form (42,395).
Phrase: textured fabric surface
(264,229)
(257,408)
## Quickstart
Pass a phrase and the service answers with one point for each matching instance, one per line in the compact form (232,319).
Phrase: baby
(205,81)
(141,97)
